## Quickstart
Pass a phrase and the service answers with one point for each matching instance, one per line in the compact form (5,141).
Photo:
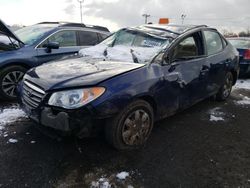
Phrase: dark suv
(33,45)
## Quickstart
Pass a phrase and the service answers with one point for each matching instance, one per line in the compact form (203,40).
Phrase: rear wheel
(226,88)
(131,128)
(9,78)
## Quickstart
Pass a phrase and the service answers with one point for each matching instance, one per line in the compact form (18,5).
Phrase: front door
(67,46)
(188,64)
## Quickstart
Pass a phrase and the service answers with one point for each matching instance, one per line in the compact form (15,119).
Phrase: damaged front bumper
(79,122)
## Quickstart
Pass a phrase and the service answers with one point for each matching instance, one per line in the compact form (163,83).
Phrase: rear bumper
(244,69)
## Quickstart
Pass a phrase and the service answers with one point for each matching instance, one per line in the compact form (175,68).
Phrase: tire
(226,88)
(9,78)
(125,131)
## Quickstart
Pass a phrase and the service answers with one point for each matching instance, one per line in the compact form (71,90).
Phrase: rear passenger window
(88,38)
(213,42)
(102,36)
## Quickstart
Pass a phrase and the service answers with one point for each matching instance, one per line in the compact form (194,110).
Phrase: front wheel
(9,78)
(226,88)
(131,128)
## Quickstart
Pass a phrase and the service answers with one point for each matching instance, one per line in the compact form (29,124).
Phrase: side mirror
(166,59)
(50,46)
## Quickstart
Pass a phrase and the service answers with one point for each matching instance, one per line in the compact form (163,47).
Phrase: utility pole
(81,2)
(146,17)
(183,16)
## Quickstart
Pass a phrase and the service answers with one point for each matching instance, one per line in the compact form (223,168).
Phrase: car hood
(5,30)
(77,73)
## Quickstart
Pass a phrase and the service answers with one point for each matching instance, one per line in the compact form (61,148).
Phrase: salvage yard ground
(207,145)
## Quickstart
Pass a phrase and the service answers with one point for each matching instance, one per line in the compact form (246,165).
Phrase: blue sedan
(133,78)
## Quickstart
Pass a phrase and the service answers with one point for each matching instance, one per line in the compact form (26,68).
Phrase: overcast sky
(230,14)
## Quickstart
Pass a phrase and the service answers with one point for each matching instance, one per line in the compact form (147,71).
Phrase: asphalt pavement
(207,145)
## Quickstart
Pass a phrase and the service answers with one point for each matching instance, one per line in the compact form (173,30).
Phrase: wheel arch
(149,99)
(25,65)
(235,76)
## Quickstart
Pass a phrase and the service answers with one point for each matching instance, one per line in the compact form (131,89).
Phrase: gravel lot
(207,145)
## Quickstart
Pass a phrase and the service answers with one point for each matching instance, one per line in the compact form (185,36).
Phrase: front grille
(32,95)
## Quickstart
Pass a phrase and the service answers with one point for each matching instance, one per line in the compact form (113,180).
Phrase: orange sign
(163,21)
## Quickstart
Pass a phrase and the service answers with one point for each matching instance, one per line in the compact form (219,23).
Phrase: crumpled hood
(77,72)
(120,53)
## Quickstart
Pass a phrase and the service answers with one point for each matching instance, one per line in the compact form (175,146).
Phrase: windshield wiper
(135,59)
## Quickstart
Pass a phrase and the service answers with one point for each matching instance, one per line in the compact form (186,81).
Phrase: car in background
(242,44)
(130,80)
(34,45)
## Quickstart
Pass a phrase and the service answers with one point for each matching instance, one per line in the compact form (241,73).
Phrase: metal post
(81,1)
(183,16)
(146,17)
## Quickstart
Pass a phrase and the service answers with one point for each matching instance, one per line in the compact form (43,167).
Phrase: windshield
(240,44)
(135,38)
(128,45)
(31,34)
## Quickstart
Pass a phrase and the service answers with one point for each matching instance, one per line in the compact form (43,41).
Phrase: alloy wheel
(136,128)
(228,86)
(10,81)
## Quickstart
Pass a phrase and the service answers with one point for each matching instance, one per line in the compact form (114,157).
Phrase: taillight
(247,55)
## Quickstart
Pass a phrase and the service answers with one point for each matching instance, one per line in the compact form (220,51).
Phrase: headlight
(75,98)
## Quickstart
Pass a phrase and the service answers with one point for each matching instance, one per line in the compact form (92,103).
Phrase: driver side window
(64,38)
(185,49)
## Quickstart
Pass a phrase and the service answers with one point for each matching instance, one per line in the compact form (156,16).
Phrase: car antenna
(135,59)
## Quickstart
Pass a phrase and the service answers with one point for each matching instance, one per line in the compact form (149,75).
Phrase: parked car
(243,46)
(34,45)
(101,91)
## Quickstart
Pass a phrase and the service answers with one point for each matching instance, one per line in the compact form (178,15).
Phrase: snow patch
(101,183)
(122,175)
(10,115)
(242,84)
(216,114)
(12,140)
(244,101)
(214,118)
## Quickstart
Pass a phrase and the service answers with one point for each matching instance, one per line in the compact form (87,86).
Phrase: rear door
(218,59)
(68,45)
(87,38)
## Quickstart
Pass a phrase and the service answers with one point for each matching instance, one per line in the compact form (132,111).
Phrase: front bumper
(80,122)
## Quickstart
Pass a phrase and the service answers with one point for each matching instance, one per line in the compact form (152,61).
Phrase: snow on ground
(242,84)
(216,114)
(12,140)
(214,118)
(114,180)
(244,101)
(101,183)
(122,175)
(10,115)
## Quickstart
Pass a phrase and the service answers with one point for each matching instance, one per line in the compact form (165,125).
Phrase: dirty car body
(127,97)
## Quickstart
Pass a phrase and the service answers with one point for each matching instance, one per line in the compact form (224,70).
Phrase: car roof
(75,25)
(169,30)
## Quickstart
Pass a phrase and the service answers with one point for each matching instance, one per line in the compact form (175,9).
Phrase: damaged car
(132,79)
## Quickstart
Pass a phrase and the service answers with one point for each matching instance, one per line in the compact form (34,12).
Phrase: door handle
(173,76)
